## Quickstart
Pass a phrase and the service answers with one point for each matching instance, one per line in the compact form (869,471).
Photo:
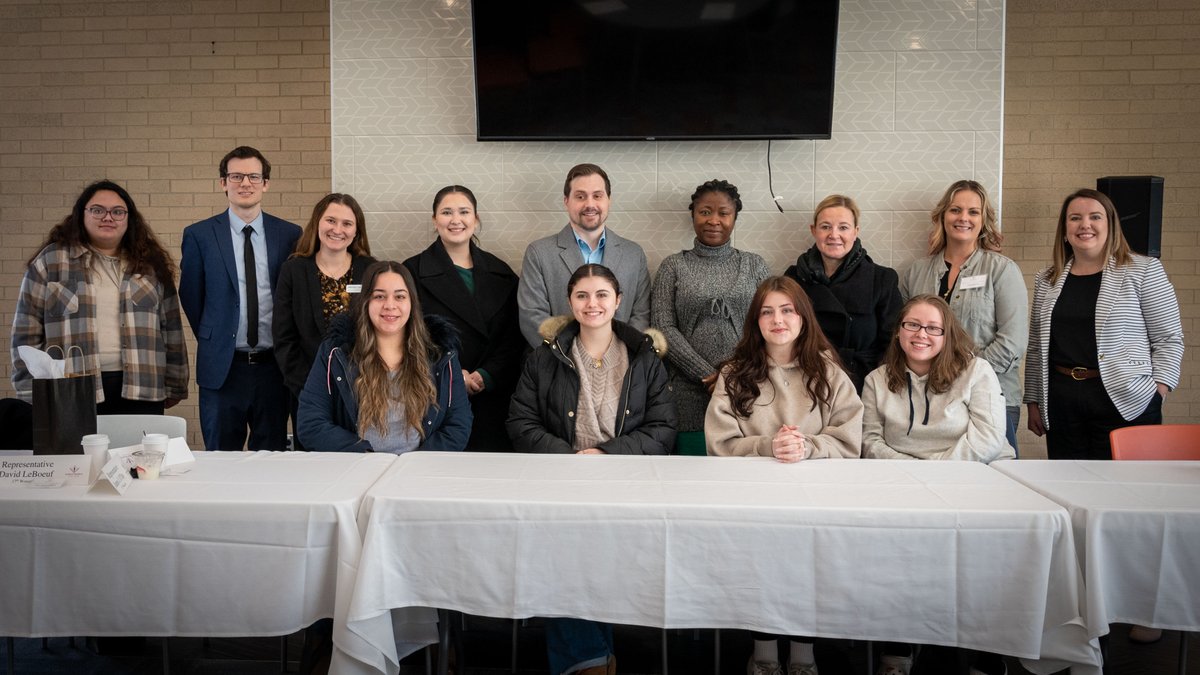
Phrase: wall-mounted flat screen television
(654,69)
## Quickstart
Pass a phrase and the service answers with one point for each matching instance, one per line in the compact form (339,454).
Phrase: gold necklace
(598,363)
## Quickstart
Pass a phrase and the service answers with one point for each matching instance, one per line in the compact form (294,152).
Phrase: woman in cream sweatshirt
(933,399)
(783,394)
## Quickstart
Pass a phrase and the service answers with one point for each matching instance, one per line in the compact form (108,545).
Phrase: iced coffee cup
(148,463)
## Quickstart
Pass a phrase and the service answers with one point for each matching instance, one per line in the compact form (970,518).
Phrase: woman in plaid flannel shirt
(102,282)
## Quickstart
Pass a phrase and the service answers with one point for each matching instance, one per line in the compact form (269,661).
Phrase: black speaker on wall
(1139,202)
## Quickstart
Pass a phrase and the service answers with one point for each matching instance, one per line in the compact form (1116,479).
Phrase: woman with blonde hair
(854,298)
(386,379)
(984,289)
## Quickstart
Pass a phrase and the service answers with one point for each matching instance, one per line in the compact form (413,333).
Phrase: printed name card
(116,471)
(45,470)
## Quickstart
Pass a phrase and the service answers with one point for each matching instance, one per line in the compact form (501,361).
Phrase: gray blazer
(1139,334)
(548,265)
(995,314)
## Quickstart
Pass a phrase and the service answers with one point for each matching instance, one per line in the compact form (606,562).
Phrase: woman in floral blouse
(316,284)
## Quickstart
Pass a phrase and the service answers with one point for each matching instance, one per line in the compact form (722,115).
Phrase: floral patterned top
(334,297)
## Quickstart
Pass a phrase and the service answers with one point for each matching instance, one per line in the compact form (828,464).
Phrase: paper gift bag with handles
(64,410)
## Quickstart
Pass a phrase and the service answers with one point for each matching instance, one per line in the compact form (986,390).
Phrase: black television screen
(654,69)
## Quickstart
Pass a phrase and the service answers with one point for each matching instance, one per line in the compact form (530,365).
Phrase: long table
(1137,527)
(948,553)
(244,544)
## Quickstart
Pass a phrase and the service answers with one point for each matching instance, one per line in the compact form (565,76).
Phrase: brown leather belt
(1078,373)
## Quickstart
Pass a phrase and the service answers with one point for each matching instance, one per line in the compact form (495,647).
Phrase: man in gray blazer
(550,261)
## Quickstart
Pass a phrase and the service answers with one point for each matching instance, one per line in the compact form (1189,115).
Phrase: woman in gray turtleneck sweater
(699,300)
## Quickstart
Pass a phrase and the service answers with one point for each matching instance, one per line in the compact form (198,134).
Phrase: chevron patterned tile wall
(918,105)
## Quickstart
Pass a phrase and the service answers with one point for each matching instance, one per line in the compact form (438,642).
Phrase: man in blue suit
(227,280)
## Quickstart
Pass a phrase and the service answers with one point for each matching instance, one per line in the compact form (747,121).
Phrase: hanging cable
(771,180)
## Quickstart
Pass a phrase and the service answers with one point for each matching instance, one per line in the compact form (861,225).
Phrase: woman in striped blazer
(1105,337)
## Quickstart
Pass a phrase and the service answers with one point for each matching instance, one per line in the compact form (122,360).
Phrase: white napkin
(40,364)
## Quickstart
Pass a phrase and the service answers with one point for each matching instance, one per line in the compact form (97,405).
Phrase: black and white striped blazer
(1139,335)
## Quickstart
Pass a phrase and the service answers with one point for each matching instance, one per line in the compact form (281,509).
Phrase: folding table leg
(283,654)
(166,656)
(10,643)
(1183,645)
(717,651)
(513,666)
(443,642)
(664,650)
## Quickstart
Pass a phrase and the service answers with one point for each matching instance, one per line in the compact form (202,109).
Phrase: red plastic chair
(1159,442)
(1156,442)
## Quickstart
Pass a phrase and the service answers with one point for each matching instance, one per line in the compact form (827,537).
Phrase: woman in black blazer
(477,292)
(316,284)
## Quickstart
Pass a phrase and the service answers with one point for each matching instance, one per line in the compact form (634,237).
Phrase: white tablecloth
(922,552)
(243,544)
(1137,525)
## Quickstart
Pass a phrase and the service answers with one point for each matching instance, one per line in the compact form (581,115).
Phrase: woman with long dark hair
(386,379)
(102,282)
(316,284)
(477,292)
(783,394)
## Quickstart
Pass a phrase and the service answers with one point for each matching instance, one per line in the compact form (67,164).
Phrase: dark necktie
(251,288)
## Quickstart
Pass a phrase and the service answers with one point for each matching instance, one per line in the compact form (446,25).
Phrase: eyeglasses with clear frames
(118,213)
(254,178)
(913,327)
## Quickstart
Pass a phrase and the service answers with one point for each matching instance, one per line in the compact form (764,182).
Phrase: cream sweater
(966,422)
(834,431)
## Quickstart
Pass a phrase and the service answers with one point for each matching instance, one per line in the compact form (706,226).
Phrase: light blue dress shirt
(590,257)
(265,302)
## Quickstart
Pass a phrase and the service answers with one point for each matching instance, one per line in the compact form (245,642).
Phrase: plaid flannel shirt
(57,306)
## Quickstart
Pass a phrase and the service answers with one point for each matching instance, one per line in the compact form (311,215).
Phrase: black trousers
(113,404)
(1081,416)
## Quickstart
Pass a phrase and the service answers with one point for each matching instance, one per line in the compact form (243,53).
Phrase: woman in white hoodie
(933,399)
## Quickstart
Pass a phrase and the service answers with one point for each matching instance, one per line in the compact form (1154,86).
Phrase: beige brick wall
(152,95)
(1097,88)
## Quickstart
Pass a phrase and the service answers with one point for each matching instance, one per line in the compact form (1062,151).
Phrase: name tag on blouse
(977,281)
(354,288)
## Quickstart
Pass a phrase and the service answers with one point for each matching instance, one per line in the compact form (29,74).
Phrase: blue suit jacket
(208,287)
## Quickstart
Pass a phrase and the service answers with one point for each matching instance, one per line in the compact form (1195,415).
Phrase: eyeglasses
(118,213)
(255,178)
(913,327)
